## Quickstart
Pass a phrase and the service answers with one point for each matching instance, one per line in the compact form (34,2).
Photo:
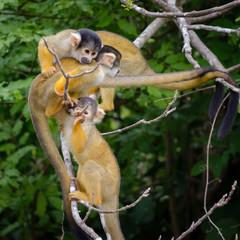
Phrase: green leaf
(175,58)
(198,168)
(17,127)
(56,202)
(5,136)
(20,153)
(19,84)
(10,228)
(127,27)
(41,204)
(156,92)
(7,147)
(23,139)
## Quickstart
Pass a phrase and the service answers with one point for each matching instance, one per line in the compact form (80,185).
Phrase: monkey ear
(108,59)
(100,114)
(75,39)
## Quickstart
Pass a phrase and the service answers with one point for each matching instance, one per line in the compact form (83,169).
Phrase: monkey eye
(87,51)
(93,53)
(86,112)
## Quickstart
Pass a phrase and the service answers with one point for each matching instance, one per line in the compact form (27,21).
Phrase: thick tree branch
(149,31)
(179,14)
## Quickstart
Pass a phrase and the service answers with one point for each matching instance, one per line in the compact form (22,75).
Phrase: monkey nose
(85,60)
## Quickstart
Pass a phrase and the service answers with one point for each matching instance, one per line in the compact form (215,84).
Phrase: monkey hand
(48,73)
(77,195)
(70,101)
(76,183)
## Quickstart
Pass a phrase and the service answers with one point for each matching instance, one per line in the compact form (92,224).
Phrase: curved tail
(112,219)
(41,127)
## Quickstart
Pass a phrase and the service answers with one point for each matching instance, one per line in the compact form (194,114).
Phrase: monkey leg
(107,95)
(90,179)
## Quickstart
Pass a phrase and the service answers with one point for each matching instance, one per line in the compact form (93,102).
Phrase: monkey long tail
(45,138)
(112,219)
(230,115)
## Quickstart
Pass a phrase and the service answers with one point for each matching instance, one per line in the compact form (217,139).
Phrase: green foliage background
(168,156)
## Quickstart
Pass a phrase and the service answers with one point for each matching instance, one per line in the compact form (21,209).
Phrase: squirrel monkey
(42,95)
(82,45)
(44,102)
(109,59)
(98,171)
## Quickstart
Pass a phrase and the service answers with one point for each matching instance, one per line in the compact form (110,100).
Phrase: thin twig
(186,94)
(145,194)
(233,68)
(143,121)
(222,202)
(207,167)
(89,209)
(214,28)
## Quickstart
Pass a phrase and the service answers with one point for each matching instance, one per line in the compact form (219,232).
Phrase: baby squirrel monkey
(98,171)
(82,45)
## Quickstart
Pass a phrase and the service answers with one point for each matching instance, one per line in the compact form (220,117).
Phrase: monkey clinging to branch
(98,173)
(82,45)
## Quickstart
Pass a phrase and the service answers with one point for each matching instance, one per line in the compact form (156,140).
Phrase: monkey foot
(71,101)
(106,107)
(77,195)
(48,73)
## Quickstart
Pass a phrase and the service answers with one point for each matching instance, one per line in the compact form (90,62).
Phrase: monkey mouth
(78,119)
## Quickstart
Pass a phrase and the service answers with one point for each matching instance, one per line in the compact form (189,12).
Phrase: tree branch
(213,28)
(75,213)
(143,121)
(222,202)
(149,31)
(179,14)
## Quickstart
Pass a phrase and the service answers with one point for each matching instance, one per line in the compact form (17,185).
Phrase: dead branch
(143,121)
(222,202)
(208,17)
(179,14)
(149,31)
(207,167)
(145,194)
(214,28)
(233,68)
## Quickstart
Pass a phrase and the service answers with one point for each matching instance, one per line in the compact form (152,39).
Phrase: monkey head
(87,111)
(109,58)
(86,45)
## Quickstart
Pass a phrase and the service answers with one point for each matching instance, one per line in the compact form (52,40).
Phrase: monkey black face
(87,44)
